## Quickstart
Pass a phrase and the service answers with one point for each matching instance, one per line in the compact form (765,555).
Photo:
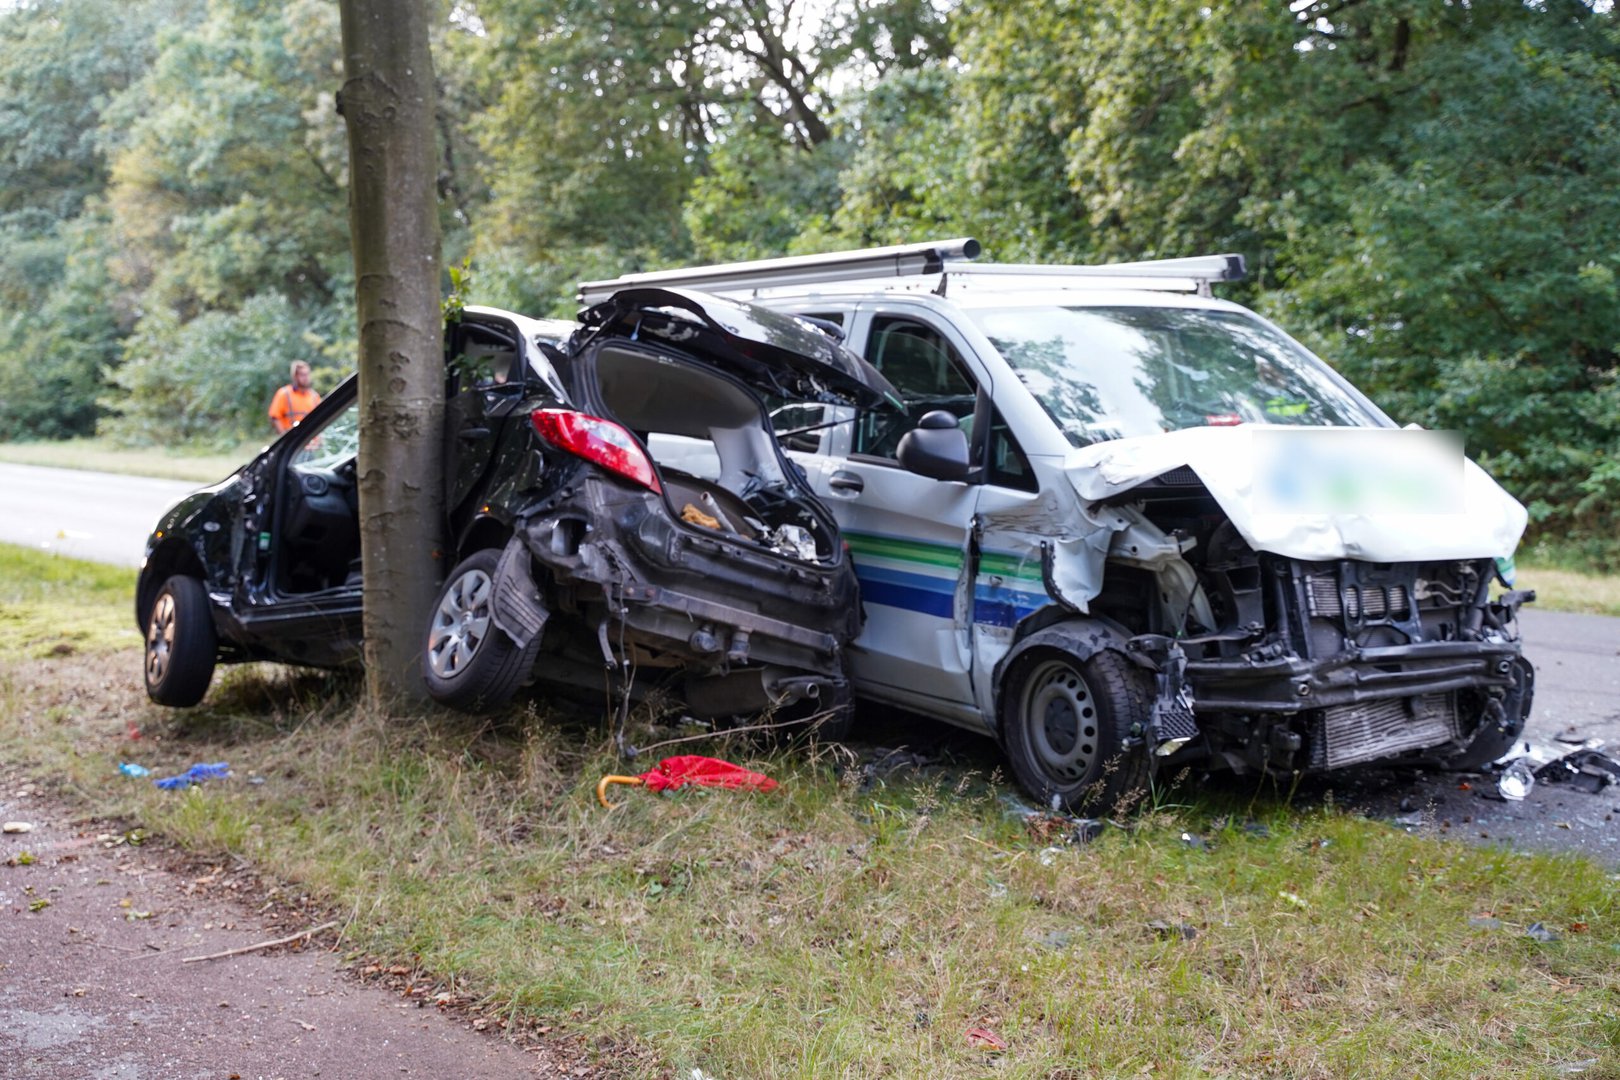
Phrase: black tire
(1065,725)
(1492,739)
(468,662)
(180,643)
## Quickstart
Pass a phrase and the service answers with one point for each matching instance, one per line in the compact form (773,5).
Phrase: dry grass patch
(844,927)
(1571,590)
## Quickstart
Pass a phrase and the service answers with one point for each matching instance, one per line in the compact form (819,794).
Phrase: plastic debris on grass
(985,1039)
(130,768)
(1052,825)
(217,770)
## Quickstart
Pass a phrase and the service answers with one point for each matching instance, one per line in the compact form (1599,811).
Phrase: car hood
(778,355)
(1480,521)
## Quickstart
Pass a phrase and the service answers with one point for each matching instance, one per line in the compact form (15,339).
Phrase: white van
(1124,526)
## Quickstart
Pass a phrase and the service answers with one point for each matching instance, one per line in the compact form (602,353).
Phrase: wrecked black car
(616,500)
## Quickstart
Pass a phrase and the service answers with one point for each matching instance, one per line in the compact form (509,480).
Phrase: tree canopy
(1427,193)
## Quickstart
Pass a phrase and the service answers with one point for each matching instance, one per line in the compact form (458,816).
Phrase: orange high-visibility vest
(291,405)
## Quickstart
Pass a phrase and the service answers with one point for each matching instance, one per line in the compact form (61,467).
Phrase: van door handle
(846,481)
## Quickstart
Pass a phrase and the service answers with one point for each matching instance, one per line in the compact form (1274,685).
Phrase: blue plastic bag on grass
(195,775)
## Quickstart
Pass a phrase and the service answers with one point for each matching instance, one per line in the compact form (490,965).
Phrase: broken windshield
(1113,372)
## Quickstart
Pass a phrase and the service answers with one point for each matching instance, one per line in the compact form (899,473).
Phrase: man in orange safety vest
(294,401)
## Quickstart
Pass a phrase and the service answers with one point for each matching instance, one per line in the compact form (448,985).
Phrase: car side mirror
(935,448)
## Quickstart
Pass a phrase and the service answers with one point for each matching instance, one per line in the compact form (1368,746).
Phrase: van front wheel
(1065,724)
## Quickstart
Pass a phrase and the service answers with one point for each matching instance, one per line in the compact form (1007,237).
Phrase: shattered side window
(337,441)
(927,372)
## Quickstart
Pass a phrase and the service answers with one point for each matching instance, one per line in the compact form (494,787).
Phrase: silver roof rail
(865,264)
(880,267)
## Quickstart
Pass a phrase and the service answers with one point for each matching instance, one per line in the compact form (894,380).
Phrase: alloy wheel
(461,624)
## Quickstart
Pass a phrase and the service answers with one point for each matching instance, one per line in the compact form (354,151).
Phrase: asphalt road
(88,515)
(107,518)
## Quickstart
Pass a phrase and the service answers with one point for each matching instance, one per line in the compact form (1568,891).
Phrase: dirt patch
(97,928)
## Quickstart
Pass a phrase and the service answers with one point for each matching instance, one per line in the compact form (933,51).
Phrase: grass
(102,455)
(845,925)
(56,606)
(1561,589)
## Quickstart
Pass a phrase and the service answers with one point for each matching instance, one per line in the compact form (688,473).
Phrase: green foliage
(1426,193)
(209,380)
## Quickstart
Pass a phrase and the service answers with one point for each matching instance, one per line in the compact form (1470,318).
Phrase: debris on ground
(17,827)
(199,772)
(1516,781)
(1049,825)
(130,768)
(985,1039)
(882,761)
(1484,922)
(1538,932)
(674,772)
(1585,768)
(1168,930)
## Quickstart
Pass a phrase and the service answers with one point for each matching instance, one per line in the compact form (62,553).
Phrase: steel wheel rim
(160,639)
(461,624)
(1059,714)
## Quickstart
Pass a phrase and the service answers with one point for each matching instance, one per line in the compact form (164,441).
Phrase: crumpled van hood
(1227,461)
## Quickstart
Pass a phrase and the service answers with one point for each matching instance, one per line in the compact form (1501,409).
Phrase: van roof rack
(885,267)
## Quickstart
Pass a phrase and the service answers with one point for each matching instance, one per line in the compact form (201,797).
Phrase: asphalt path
(107,518)
(88,515)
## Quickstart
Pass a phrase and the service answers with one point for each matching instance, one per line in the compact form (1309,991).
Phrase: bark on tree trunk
(388,101)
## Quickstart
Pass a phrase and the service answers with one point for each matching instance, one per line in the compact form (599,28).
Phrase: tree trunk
(387,101)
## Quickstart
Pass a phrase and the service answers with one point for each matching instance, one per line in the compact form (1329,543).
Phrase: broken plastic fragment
(130,768)
(1538,932)
(1168,930)
(1516,781)
(17,827)
(985,1039)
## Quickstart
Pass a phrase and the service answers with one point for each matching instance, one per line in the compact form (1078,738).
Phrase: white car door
(909,535)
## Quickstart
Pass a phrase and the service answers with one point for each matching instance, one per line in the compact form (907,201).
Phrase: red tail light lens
(599,441)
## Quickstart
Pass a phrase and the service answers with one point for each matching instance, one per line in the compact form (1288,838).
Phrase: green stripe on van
(916,551)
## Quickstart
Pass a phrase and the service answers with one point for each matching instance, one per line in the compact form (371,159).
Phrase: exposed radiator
(1350,734)
(1378,601)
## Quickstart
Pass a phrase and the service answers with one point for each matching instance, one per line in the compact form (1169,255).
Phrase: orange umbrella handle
(602,786)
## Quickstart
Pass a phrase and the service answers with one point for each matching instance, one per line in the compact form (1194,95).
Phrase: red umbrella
(676,772)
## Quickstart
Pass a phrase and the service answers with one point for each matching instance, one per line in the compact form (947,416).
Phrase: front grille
(1350,734)
(1181,476)
(1377,601)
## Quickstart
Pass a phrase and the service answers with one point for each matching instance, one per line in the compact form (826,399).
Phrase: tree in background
(1425,192)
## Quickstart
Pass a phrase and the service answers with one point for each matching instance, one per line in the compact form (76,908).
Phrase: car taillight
(596,440)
